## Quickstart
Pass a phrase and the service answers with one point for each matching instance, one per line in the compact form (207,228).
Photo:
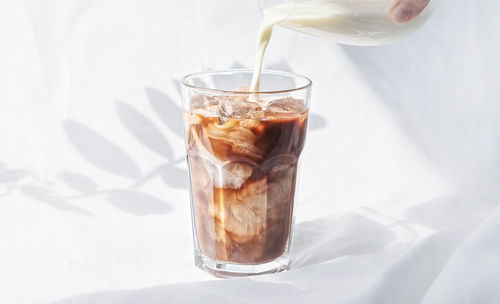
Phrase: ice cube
(281,172)
(243,88)
(204,105)
(230,107)
(233,137)
(242,212)
(286,105)
(200,101)
(232,175)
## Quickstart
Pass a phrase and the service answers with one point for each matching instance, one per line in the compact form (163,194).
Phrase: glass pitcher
(354,22)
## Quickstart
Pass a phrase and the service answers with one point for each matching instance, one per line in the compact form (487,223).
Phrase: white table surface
(399,187)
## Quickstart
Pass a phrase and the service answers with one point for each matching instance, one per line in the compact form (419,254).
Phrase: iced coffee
(243,148)
(243,156)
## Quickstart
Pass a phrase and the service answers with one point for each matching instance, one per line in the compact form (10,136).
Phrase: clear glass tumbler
(242,152)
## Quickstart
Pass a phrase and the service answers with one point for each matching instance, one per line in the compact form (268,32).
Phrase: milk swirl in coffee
(243,159)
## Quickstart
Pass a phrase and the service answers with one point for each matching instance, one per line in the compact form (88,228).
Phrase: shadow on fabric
(318,246)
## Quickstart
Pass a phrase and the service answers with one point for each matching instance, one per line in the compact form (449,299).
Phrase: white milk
(355,22)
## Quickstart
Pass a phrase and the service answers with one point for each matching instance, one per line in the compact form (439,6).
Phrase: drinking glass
(242,152)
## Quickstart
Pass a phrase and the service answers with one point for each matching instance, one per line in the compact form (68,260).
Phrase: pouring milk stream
(355,22)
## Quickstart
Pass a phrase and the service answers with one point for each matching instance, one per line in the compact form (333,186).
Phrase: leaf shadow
(10,176)
(106,155)
(137,202)
(177,85)
(78,182)
(167,110)
(144,130)
(316,122)
(44,196)
(174,177)
(100,151)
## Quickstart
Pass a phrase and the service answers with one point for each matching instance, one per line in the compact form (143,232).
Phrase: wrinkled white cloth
(399,186)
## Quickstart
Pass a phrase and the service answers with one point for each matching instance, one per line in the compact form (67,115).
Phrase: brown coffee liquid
(243,173)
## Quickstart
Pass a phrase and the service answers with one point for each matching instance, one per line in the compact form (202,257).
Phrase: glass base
(228,270)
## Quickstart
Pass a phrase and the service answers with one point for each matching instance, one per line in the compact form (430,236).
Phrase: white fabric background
(399,189)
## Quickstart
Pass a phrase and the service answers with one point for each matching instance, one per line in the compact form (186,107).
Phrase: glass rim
(271,72)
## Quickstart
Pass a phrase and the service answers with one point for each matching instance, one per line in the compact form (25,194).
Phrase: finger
(406,10)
